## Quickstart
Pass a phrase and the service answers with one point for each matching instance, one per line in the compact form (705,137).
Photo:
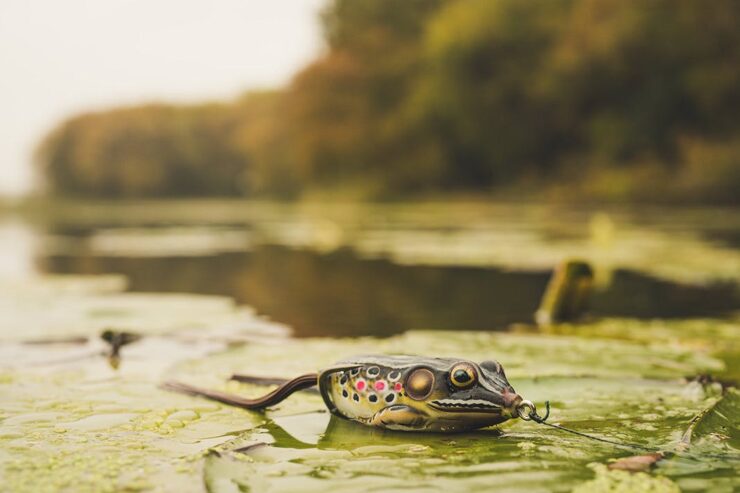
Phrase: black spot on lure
(410,393)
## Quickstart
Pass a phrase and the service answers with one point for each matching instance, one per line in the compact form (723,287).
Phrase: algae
(624,482)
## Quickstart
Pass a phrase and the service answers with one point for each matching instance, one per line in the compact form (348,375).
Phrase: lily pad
(61,415)
(718,338)
(719,423)
(618,404)
(71,422)
(523,355)
(82,426)
(279,456)
(77,306)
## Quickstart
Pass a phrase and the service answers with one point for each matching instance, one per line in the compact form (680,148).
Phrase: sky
(62,57)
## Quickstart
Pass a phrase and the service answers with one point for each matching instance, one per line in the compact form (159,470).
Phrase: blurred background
(370,166)
(598,99)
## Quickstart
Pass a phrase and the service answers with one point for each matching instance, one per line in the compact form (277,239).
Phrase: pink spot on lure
(380,385)
(360,385)
(397,387)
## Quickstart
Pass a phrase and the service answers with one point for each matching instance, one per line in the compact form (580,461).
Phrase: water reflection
(340,294)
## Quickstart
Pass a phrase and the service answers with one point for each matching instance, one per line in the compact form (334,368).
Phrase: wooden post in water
(567,295)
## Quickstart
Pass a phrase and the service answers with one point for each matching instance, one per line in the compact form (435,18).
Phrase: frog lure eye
(410,393)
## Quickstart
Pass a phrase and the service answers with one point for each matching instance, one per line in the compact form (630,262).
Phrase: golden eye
(419,384)
(463,375)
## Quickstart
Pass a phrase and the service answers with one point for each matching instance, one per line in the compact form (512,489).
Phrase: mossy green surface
(75,424)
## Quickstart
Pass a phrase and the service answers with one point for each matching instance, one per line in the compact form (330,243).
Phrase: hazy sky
(59,57)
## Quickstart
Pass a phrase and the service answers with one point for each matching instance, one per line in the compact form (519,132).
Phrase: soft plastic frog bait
(411,393)
(414,393)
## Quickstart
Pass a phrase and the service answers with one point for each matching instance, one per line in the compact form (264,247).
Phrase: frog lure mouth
(409,393)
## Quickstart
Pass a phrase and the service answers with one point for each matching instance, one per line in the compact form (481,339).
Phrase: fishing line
(533,416)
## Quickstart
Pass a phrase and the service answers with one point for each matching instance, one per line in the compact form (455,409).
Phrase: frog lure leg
(411,393)
(278,395)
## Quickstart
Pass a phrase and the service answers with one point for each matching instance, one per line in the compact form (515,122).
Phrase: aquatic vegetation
(85,306)
(69,421)
(77,424)
(721,338)
(685,245)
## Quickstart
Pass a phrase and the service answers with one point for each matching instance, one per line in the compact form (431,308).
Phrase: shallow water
(381,270)
(216,288)
(341,294)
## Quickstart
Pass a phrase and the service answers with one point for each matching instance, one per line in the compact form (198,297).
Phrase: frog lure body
(409,393)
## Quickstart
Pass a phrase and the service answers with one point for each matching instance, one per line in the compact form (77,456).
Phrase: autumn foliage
(617,99)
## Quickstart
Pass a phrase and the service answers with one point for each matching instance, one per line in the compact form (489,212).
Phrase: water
(383,269)
(341,294)
(215,288)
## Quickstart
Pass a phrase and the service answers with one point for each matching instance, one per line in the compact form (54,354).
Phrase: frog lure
(409,393)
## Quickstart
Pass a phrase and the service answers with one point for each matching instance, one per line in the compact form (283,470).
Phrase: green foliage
(607,98)
(520,87)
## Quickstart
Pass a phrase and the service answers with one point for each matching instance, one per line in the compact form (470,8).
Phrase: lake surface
(312,270)
(277,290)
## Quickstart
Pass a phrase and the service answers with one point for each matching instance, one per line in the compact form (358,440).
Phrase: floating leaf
(636,463)
(719,423)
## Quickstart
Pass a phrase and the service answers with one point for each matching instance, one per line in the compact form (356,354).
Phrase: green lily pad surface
(624,391)
(70,422)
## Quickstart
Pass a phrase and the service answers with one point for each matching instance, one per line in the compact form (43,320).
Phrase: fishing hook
(531,414)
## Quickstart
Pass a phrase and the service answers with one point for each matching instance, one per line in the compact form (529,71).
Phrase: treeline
(623,99)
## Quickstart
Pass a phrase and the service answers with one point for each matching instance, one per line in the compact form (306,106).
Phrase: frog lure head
(410,393)
(420,394)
